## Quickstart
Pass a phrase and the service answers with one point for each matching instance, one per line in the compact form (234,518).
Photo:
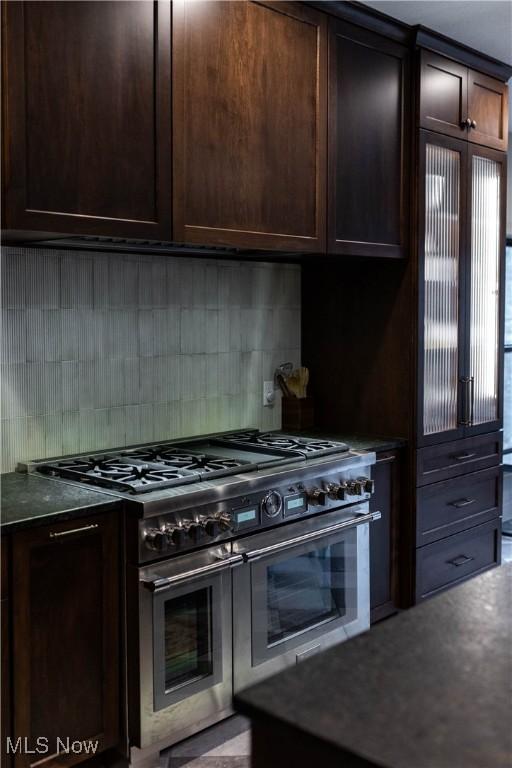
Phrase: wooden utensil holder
(297,414)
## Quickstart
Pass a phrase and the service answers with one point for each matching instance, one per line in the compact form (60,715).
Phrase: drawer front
(454,505)
(439,462)
(457,558)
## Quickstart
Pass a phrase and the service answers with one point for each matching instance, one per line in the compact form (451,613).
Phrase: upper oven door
(303,587)
(185,654)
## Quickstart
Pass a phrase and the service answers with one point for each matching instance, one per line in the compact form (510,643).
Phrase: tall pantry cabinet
(461,196)
(415,345)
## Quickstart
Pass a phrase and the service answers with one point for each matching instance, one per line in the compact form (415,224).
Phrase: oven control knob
(196,532)
(368,485)
(156,539)
(317,496)
(272,504)
(355,488)
(212,528)
(179,536)
(337,492)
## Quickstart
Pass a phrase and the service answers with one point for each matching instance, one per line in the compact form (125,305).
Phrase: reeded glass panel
(484,311)
(305,590)
(507,403)
(508,297)
(442,221)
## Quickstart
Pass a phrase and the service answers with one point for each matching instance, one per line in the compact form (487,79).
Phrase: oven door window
(187,641)
(188,638)
(302,593)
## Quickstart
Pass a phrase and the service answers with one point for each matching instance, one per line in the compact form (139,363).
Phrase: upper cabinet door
(367,154)
(442,200)
(87,117)
(249,124)
(443,104)
(488,111)
(485,305)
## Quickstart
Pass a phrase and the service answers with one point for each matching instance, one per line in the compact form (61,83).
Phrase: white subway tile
(76,282)
(43,279)
(13,278)
(14,335)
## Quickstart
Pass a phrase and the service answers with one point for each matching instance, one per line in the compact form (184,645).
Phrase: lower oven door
(185,648)
(302,588)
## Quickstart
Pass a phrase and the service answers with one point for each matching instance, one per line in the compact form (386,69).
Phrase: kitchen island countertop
(430,688)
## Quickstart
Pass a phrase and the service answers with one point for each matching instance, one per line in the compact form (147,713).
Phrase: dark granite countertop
(28,500)
(357,442)
(430,688)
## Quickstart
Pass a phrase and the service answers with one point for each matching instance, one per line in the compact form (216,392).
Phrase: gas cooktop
(155,466)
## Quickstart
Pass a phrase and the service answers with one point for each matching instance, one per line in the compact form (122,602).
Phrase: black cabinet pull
(461,503)
(460,560)
(464,456)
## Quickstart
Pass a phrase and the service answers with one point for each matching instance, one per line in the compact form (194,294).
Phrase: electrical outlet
(269,396)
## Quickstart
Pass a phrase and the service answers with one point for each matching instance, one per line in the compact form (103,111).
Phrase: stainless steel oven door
(302,588)
(185,657)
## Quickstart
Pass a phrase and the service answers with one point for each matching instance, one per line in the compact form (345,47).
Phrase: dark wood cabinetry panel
(368,148)
(66,635)
(488,110)
(249,124)
(440,462)
(384,535)
(443,102)
(87,117)
(456,558)
(453,505)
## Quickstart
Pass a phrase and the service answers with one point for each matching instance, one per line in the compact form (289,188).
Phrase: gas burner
(115,472)
(304,446)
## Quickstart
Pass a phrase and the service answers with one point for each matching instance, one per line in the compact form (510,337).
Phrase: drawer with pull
(457,558)
(446,508)
(439,462)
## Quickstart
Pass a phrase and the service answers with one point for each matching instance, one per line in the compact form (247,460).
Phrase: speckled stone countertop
(356,442)
(430,688)
(28,500)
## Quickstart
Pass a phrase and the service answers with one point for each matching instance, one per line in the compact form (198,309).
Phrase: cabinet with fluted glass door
(462,244)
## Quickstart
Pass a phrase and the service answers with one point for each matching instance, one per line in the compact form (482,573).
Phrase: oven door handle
(283,545)
(159,583)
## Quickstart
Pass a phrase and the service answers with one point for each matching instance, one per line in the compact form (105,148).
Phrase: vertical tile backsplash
(101,350)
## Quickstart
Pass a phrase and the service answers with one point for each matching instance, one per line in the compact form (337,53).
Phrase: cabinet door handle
(461,503)
(473,123)
(460,560)
(464,456)
(466,123)
(59,534)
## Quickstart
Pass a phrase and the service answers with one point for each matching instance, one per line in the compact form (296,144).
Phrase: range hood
(156,247)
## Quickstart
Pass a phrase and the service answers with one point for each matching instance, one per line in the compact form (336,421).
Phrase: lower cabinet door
(457,558)
(65,640)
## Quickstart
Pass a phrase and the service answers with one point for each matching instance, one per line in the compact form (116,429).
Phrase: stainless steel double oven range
(246,552)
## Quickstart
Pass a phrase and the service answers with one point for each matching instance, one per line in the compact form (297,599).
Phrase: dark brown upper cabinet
(462,103)
(87,117)
(66,649)
(249,142)
(488,111)
(368,153)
